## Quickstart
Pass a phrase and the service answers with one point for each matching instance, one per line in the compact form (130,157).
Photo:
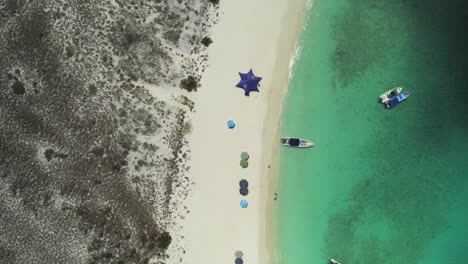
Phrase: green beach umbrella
(244,155)
(244,163)
(238,254)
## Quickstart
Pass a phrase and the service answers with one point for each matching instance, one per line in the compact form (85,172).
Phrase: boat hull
(398,99)
(390,94)
(303,143)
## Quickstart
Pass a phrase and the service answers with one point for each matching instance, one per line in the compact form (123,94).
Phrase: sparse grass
(189,84)
(173,35)
(206,41)
(61,155)
(186,101)
(150,147)
(98,151)
(103,135)
(69,51)
(136,179)
(142,163)
(133,77)
(187,128)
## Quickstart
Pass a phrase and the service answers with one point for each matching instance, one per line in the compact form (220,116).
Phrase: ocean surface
(381,185)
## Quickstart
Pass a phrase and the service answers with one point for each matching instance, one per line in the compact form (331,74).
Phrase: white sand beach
(257,34)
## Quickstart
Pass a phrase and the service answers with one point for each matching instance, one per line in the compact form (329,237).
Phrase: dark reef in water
(81,181)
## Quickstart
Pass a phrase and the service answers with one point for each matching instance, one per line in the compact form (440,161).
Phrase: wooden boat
(296,142)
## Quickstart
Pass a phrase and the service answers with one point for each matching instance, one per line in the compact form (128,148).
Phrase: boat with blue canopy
(398,99)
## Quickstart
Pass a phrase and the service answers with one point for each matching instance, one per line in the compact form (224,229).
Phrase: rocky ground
(91,166)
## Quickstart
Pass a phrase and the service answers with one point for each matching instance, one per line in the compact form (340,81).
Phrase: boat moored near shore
(296,142)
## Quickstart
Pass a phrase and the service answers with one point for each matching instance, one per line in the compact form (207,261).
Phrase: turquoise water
(381,186)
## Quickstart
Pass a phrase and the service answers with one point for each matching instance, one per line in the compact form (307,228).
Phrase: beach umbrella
(244,183)
(238,254)
(244,155)
(231,124)
(244,163)
(244,203)
(239,261)
(249,82)
(244,191)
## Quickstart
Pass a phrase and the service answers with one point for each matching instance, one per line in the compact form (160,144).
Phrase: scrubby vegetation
(91,165)
(214,2)
(187,128)
(164,240)
(18,87)
(206,41)
(50,154)
(190,84)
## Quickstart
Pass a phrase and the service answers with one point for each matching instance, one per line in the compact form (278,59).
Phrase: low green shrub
(206,41)
(18,87)
(189,84)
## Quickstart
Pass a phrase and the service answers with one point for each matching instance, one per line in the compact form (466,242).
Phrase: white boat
(332,261)
(388,95)
(296,142)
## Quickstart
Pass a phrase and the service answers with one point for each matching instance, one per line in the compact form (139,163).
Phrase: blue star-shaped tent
(249,82)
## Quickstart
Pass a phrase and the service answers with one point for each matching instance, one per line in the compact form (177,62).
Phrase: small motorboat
(296,142)
(399,98)
(388,95)
(332,261)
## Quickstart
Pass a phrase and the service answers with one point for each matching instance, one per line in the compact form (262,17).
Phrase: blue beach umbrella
(239,261)
(244,191)
(244,203)
(249,82)
(231,124)
(244,183)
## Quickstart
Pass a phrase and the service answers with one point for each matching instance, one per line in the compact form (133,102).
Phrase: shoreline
(292,30)
(215,150)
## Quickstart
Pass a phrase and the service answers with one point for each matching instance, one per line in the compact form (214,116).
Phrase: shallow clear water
(381,185)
